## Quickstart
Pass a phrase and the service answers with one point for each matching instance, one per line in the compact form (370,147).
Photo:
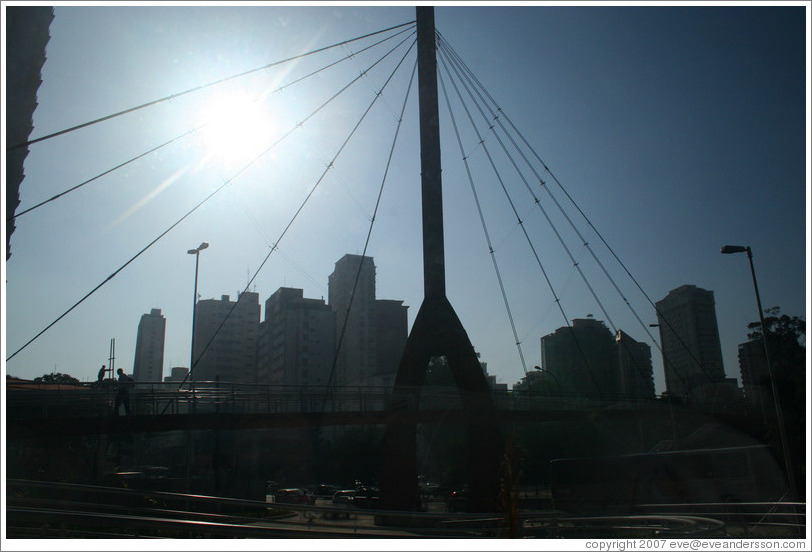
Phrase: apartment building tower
(296,341)
(581,359)
(225,339)
(148,364)
(370,332)
(635,372)
(351,295)
(692,351)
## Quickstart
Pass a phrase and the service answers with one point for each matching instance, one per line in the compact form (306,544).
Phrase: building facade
(692,351)
(148,364)
(370,333)
(177,374)
(225,339)
(581,359)
(296,341)
(391,333)
(635,372)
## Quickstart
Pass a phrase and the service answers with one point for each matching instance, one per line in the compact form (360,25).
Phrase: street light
(196,253)
(189,442)
(728,250)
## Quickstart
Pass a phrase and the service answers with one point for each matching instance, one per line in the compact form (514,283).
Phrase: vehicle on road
(458,501)
(325,491)
(344,497)
(366,497)
(295,496)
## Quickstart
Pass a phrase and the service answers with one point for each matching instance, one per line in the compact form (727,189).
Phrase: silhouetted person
(102,371)
(125,382)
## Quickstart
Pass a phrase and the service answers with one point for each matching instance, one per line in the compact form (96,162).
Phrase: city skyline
(212,311)
(678,136)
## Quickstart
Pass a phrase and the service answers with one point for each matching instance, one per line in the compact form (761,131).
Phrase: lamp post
(189,441)
(546,372)
(196,253)
(728,250)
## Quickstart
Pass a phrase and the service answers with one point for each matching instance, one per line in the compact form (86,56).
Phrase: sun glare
(236,128)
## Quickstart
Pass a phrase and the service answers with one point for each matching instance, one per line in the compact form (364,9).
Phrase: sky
(675,129)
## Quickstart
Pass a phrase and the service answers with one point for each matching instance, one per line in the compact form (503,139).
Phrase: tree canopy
(782,327)
(57,377)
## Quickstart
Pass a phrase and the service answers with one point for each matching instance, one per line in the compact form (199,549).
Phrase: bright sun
(236,128)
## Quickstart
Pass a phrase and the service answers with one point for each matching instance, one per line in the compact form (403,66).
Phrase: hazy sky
(675,129)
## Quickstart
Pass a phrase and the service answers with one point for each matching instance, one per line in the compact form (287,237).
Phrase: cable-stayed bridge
(513,190)
(90,409)
(437,330)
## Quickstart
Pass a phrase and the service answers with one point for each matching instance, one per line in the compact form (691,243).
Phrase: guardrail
(33,401)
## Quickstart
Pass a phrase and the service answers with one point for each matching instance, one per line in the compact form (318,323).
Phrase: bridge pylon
(437,331)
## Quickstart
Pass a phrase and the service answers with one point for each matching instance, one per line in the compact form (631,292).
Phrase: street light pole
(189,442)
(728,250)
(196,253)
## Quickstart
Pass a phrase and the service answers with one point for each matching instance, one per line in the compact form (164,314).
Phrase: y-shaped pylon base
(437,331)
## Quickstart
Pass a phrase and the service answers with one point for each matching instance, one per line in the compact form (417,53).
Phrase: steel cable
(228,181)
(196,88)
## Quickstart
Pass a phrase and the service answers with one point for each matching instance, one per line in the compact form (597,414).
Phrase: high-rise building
(354,305)
(392,331)
(634,368)
(148,364)
(296,340)
(581,359)
(371,333)
(177,374)
(225,339)
(692,351)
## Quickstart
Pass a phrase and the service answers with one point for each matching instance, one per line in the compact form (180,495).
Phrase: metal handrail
(147,397)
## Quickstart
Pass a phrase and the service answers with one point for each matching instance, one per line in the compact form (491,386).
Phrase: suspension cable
(198,128)
(536,201)
(369,236)
(497,118)
(228,181)
(491,251)
(108,171)
(526,235)
(299,210)
(197,88)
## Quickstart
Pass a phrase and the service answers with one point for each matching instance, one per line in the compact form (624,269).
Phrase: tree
(58,378)
(786,339)
(538,383)
(786,331)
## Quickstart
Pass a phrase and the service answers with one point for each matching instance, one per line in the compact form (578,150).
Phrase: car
(366,497)
(429,489)
(344,497)
(458,501)
(295,496)
(325,491)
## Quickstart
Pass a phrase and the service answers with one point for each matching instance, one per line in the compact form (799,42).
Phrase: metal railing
(31,401)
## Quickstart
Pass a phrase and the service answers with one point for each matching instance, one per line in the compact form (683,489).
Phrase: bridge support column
(438,332)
